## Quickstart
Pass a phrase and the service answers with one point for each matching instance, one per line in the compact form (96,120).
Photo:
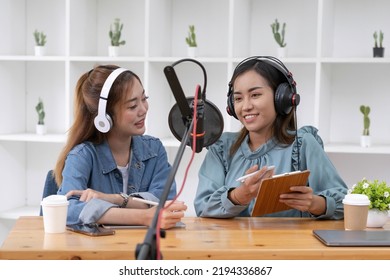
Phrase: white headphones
(103,121)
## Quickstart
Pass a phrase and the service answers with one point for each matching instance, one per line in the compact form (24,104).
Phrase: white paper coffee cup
(54,209)
(355,211)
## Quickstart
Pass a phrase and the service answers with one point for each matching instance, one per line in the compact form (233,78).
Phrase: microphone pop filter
(213,122)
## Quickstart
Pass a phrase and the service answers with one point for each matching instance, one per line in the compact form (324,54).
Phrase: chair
(49,188)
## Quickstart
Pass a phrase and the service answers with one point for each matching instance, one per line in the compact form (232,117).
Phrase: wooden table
(203,238)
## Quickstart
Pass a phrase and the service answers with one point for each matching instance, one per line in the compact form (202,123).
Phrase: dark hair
(284,125)
(86,102)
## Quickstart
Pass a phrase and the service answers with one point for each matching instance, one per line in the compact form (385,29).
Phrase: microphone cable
(296,136)
(158,226)
(297,143)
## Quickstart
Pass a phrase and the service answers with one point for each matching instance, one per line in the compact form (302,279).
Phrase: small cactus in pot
(40,127)
(41,112)
(279,35)
(366,120)
(191,38)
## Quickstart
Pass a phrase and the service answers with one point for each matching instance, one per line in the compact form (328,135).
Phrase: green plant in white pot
(40,42)
(40,127)
(191,41)
(379,195)
(279,32)
(115,34)
(365,140)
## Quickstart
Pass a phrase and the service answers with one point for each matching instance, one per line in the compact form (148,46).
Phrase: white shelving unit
(329,52)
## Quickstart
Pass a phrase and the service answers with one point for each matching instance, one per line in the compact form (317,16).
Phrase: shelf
(60,138)
(356,149)
(31,137)
(170,142)
(335,73)
(32,58)
(347,60)
(106,58)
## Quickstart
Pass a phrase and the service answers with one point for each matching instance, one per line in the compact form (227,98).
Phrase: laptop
(357,238)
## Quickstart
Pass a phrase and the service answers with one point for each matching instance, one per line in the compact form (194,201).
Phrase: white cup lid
(356,199)
(55,200)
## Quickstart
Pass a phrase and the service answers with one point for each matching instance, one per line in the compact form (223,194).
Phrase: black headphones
(103,121)
(286,96)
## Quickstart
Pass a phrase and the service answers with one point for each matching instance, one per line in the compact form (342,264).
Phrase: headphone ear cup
(103,123)
(283,99)
(230,104)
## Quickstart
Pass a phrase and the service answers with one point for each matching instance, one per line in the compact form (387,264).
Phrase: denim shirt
(219,171)
(93,166)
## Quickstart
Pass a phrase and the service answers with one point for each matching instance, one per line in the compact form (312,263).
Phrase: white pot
(40,50)
(40,129)
(365,141)
(282,52)
(113,51)
(191,51)
(376,218)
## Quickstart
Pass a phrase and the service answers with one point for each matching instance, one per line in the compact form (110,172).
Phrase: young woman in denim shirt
(262,96)
(107,161)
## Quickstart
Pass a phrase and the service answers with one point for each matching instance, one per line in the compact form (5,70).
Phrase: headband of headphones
(103,121)
(273,61)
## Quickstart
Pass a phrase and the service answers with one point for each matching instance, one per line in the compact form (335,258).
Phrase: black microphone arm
(148,249)
(178,93)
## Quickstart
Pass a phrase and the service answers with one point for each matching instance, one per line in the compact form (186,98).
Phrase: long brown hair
(284,124)
(86,102)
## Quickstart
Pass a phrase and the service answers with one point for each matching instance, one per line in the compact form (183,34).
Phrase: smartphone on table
(90,229)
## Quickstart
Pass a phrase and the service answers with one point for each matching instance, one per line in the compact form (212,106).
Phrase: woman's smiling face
(254,102)
(130,116)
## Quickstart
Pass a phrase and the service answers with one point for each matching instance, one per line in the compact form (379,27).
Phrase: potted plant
(379,50)
(40,127)
(365,137)
(40,42)
(191,41)
(115,34)
(279,37)
(379,195)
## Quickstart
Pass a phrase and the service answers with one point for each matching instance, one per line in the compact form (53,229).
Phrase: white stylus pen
(242,179)
(145,201)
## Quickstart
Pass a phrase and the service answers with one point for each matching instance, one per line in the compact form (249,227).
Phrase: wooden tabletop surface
(202,238)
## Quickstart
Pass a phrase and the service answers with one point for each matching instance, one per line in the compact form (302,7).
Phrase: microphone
(210,123)
(200,132)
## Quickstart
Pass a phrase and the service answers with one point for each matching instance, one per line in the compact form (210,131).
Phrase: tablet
(111,226)
(267,200)
(356,238)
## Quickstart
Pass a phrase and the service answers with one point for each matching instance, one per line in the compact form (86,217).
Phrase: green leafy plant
(115,33)
(41,112)
(191,38)
(279,35)
(378,193)
(366,120)
(40,38)
(380,39)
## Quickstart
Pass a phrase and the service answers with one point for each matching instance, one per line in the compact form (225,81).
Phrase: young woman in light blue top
(262,96)
(107,161)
